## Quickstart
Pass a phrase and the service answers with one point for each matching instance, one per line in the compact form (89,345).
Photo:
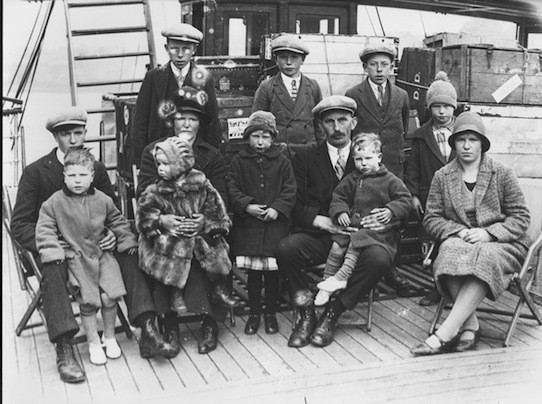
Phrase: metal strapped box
(233,113)
(486,74)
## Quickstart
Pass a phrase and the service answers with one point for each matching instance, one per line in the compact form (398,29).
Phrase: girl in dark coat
(262,191)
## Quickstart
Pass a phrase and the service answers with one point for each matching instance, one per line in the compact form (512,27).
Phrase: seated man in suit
(317,172)
(39,181)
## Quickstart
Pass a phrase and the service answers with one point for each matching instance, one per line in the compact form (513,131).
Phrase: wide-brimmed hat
(261,120)
(470,121)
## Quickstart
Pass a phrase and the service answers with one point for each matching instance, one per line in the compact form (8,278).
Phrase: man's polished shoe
(430,299)
(469,344)
(301,336)
(151,343)
(323,335)
(172,344)
(271,324)
(397,281)
(253,323)
(209,335)
(221,294)
(424,349)
(68,367)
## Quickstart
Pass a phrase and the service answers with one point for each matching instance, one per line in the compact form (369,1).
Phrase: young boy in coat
(182,191)
(262,193)
(370,189)
(70,224)
(431,151)
(290,96)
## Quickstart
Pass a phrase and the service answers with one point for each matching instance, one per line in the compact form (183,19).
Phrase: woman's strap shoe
(469,344)
(424,349)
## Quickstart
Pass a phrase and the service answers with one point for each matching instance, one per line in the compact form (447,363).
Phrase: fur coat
(357,194)
(81,221)
(168,258)
(500,210)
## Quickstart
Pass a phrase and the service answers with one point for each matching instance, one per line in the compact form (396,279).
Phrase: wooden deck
(362,366)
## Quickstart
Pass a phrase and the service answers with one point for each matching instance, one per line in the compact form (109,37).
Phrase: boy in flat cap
(262,189)
(317,172)
(39,181)
(181,44)
(290,96)
(383,109)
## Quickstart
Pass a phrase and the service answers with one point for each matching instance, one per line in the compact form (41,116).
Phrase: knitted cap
(470,121)
(261,120)
(441,91)
(181,162)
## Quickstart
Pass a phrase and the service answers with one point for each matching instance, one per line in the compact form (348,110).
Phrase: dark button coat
(357,194)
(296,125)
(266,179)
(157,86)
(424,161)
(392,126)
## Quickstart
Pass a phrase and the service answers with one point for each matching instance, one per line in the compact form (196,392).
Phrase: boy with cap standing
(158,84)
(383,109)
(290,96)
(431,151)
(39,181)
(262,190)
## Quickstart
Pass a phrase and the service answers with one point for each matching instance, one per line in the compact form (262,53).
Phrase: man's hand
(270,214)
(108,242)
(255,210)
(344,219)
(417,206)
(325,223)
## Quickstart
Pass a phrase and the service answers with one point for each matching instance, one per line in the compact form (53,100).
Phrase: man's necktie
(380,94)
(294,90)
(441,141)
(339,166)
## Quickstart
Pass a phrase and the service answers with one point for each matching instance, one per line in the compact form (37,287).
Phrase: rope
(380,21)
(370,20)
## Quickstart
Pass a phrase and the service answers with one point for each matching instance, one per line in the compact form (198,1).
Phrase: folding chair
(523,280)
(370,300)
(27,267)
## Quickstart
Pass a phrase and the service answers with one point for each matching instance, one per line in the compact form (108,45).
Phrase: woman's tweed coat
(168,258)
(357,194)
(266,179)
(81,221)
(500,210)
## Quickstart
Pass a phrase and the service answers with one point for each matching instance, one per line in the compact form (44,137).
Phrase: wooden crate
(477,71)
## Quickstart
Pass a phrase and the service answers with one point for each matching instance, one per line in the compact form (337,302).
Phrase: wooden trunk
(477,71)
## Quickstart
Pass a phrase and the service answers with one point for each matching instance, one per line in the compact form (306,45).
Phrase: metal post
(71,64)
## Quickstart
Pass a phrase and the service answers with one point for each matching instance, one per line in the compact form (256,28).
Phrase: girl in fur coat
(183,191)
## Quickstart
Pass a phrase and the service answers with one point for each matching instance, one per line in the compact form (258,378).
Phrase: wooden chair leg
(438,314)
(28,313)
(524,291)
(125,326)
(370,310)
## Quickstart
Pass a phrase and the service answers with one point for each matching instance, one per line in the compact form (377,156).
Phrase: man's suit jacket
(295,122)
(39,181)
(391,127)
(316,181)
(158,85)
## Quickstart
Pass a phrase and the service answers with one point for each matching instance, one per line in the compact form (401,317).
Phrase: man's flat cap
(289,42)
(335,102)
(68,116)
(370,50)
(183,32)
